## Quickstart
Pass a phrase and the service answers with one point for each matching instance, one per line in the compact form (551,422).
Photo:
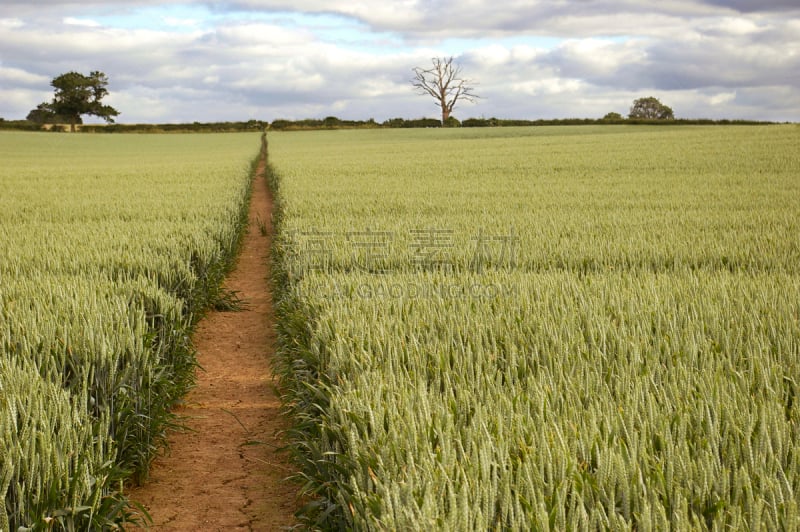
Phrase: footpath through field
(225,473)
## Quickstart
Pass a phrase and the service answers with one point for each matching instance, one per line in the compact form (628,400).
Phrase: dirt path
(226,474)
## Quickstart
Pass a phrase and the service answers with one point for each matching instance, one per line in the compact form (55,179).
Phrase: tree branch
(444,83)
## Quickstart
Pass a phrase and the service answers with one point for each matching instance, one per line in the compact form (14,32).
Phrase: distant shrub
(417,122)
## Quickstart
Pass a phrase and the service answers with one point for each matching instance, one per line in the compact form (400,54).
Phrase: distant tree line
(335,123)
(643,111)
(497,122)
(647,110)
(191,127)
(297,125)
(329,122)
(332,122)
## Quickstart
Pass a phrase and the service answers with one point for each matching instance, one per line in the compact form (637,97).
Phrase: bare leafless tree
(443,81)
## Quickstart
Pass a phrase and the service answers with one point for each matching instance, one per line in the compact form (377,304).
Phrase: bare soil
(225,473)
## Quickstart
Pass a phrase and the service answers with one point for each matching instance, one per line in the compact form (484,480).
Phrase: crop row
(573,387)
(110,249)
(655,200)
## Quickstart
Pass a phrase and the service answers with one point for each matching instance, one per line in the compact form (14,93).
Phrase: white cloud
(548,86)
(722,98)
(14,100)
(17,76)
(736,26)
(72,21)
(11,23)
(492,55)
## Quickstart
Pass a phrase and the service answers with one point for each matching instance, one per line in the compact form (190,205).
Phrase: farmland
(547,328)
(110,248)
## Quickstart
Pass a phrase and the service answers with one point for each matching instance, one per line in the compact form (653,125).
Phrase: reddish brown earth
(225,472)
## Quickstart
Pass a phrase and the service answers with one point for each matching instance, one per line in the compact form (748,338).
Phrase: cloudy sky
(195,60)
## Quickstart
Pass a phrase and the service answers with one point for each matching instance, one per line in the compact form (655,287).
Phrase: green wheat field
(540,328)
(110,247)
(543,328)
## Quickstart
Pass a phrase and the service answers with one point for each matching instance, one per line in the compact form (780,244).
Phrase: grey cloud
(686,61)
(421,21)
(752,6)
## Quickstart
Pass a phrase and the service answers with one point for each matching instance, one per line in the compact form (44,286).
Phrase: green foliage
(633,365)
(497,122)
(650,108)
(481,122)
(330,122)
(105,265)
(43,114)
(417,122)
(75,95)
(194,127)
(613,117)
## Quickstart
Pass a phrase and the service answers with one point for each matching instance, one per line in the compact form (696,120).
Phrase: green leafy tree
(613,117)
(650,108)
(76,95)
